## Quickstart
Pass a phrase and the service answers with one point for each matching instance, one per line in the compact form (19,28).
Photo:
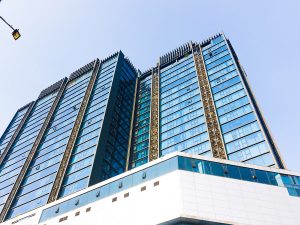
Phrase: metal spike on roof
(176,53)
(110,57)
(146,72)
(88,67)
(51,88)
(211,38)
(130,64)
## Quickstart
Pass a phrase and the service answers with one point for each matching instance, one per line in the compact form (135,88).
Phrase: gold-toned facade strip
(71,142)
(214,130)
(31,154)
(154,134)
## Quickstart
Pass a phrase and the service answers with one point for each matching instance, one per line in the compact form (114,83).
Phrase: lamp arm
(6,23)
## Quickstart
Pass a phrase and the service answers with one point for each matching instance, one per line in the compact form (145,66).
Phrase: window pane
(233,172)
(217,169)
(246,174)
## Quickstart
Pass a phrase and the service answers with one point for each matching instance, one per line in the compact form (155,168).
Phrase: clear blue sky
(60,36)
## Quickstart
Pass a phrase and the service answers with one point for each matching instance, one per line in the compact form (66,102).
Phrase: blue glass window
(238,122)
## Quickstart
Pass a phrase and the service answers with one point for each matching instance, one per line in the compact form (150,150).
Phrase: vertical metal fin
(13,138)
(154,136)
(214,131)
(132,124)
(71,142)
(29,158)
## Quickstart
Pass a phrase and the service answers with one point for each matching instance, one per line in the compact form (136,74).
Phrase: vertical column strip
(16,133)
(214,131)
(130,147)
(29,158)
(154,129)
(71,142)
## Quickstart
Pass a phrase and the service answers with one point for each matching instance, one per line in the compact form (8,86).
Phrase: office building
(194,111)
(74,135)
(200,102)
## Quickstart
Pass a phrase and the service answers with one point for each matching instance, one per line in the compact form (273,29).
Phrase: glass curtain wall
(182,121)
(80,165)
(37,183)
(14,161)
(242,134)
(12,127)
(141,125)
(116,149)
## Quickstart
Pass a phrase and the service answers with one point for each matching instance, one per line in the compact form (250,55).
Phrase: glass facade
(243,137)
(142,123)
(37,183)
(12,127)
(116,144)
(182,120)
(79,169)
(101,141)
(14,160)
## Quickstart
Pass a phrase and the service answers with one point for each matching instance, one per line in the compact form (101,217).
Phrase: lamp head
(16,34)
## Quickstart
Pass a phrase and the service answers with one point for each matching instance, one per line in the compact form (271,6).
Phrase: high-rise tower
(197,99)
(194,111)
(74,135)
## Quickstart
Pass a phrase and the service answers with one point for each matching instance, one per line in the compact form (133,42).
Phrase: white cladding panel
(237,202)
(186,194)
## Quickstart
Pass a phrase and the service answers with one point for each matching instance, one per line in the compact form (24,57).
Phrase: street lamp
(16,34)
